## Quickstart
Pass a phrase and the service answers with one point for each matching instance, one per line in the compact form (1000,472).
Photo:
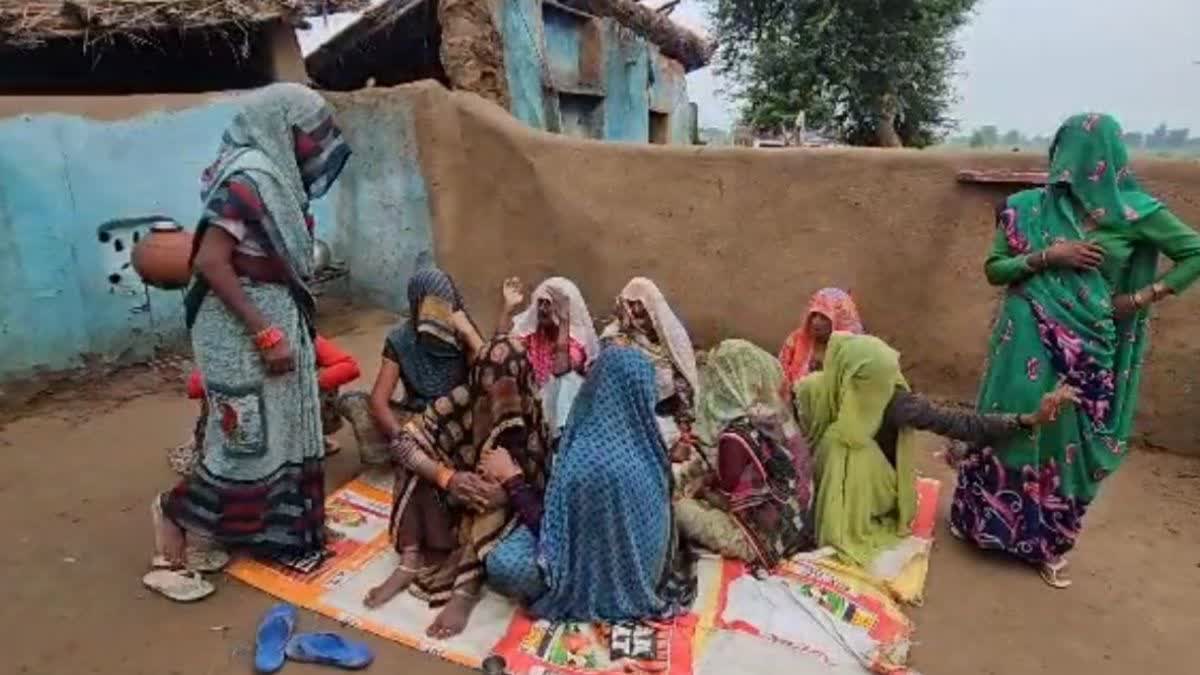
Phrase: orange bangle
(267,338)
(444,475)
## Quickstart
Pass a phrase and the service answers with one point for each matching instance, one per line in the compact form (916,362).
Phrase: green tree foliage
(873,72)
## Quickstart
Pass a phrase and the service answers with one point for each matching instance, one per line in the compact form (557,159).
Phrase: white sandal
(1050,574)
(178,585)
(207,561)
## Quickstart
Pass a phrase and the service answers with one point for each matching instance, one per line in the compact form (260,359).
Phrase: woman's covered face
(545,313)
(639,316)
(820,326)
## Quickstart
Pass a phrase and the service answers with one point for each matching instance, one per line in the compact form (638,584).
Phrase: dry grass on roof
(25,23)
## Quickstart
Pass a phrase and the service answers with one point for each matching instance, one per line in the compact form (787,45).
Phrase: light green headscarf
(738,379)
(863,505)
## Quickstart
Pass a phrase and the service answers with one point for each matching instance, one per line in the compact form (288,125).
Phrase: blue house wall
(70,297)
(544,47)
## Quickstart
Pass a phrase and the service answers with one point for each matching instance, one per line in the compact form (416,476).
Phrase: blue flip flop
(329,649)
(274,631)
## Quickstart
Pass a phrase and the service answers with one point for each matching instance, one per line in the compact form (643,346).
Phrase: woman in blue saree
(602,545)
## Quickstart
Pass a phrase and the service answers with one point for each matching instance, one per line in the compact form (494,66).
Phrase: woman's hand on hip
(279,359)
(1078,255)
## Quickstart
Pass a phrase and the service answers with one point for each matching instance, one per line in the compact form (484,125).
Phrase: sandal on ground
(271,640)
(178,585)
(207,561)
(329,649)
(1052,574)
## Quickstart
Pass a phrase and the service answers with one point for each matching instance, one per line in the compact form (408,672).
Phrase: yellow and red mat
(814,615)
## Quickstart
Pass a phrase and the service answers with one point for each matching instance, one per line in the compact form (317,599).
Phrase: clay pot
(162,258)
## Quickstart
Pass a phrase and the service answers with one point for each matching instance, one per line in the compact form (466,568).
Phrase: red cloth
(337,368)
(732,460)
(832,303)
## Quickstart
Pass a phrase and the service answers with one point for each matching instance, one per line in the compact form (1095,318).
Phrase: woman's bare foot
(395,584)
(405,573)
(170,543)
(453,618)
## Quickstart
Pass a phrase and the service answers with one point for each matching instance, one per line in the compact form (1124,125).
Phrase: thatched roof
(397,19)
(379,32)
(29,23)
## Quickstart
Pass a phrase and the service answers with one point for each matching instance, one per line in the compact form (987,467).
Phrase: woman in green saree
(1079,259)
(861,420)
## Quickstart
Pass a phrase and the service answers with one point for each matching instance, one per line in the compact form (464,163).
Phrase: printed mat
(810,616)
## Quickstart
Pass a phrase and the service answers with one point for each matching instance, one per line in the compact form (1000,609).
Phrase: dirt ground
(79,471)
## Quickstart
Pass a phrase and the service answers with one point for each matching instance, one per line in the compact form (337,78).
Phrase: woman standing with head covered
(1079,259)
(260,484)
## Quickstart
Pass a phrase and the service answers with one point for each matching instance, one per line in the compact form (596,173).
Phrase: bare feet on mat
(391,587)
(411,563)
(453,618)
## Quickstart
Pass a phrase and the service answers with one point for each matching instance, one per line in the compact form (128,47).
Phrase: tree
(985,137)
(872,72)
(1177,138)
(1158,139)
(1134,140)
(1013,138)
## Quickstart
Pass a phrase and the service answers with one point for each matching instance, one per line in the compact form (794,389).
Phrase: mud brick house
(603,69)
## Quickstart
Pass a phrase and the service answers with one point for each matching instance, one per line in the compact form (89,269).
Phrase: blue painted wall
(561,32)
(543,47)
(521,30)
(382,204)
(69,298)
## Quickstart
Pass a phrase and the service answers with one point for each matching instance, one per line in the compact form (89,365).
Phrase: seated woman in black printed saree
(446,516)
(424,357)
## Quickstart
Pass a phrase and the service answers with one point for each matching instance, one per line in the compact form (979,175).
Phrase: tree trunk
(889,109)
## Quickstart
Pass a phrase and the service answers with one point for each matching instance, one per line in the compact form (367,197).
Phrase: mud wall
(738,239)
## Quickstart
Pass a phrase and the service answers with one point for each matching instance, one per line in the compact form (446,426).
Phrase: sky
(1028,64)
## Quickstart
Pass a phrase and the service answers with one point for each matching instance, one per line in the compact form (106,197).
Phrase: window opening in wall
(582,115)
(660,128)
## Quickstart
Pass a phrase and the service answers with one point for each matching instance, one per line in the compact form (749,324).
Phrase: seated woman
(423,358)
(755,505)
(830,310)
(560,340)
(446,517)
(602,546)
(860,417)
(645,322)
